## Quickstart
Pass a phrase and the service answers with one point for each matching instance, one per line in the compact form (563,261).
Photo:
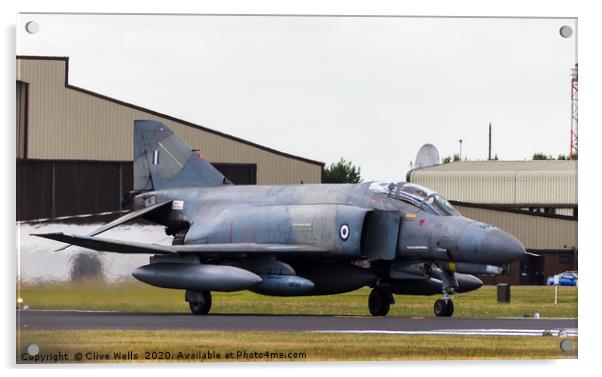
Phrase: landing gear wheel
(379,302)
(202,306)
(444,308)
(450,308)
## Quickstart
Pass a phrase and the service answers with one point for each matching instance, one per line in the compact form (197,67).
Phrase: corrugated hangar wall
(58,122)
(503,182)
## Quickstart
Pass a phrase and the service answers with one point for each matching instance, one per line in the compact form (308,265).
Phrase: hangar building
(74,146)
(536,201)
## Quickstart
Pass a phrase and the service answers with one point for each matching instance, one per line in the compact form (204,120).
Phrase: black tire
(201,308)
(440,308)
(379,303)
(450,308)
(443,308)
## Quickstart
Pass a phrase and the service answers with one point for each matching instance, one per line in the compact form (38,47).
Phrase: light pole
(460,141)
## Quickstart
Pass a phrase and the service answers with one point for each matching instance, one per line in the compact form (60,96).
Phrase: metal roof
(530,183)
(497,165)
(65,59)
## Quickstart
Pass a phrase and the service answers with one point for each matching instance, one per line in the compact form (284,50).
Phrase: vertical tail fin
(161,160)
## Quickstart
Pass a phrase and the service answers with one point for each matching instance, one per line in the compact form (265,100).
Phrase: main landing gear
(379,302)
(199,301)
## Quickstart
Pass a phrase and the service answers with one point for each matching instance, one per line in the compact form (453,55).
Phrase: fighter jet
(296,240)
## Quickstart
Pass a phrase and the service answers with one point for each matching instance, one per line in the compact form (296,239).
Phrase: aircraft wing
(129,247)
(103,244)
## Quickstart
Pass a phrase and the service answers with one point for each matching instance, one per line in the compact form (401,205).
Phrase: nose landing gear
(445,307)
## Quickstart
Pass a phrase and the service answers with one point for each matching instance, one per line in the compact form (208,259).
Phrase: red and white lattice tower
(574,114)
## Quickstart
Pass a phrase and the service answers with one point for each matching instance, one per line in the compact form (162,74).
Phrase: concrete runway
(72,319)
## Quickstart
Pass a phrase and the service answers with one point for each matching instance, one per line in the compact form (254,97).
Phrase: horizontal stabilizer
(129,247)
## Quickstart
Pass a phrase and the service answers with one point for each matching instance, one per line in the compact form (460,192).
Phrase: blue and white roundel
(344,232)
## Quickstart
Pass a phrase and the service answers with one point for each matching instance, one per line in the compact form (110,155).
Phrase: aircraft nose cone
(502,247)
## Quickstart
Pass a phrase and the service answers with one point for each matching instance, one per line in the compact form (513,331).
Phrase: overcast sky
(372,90)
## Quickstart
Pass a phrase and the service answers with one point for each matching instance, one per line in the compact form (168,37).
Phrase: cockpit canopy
(419,196)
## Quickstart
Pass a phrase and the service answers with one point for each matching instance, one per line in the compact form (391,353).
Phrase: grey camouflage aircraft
(296,240)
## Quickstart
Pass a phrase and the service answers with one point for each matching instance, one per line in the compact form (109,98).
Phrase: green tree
(448,159)
(562,157)
(342,172)
(542,156)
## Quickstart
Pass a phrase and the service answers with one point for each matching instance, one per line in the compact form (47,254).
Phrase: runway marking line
(467,332)
(69,311)
(334,316)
